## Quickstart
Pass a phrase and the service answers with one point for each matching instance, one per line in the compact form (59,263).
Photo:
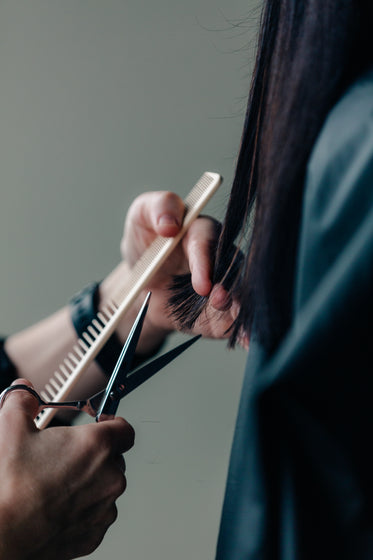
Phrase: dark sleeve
(8,372)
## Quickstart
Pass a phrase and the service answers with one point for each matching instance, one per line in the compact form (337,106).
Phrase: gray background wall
(99,101)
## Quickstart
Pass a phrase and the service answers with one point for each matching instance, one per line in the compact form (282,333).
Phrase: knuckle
(114,437)
(121,485)
(113,514)
(137,206)
(130,435)
(117,485)
(170,200)
(127,433)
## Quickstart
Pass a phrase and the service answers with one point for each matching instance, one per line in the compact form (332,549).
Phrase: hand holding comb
(107,320)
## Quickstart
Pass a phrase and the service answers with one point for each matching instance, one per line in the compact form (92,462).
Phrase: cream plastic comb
(103,326)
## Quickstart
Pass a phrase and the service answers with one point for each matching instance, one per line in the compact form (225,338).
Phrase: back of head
(308,53)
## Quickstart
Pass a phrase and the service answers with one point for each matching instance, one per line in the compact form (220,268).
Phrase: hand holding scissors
(103,405)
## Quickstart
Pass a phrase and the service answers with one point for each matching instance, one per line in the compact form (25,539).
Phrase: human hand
(59,485)
(161,213)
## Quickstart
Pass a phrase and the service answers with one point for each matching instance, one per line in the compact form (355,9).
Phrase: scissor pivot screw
(117,392)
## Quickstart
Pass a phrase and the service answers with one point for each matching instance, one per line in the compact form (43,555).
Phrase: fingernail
(168,220)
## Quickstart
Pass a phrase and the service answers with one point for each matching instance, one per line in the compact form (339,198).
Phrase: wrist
(99,300)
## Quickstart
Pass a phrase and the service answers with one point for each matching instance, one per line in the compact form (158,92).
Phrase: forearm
(38,350)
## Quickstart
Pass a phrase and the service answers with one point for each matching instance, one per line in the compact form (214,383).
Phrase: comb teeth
(67,368)
(162,246)
(102,326)
(142,265)
(200,190)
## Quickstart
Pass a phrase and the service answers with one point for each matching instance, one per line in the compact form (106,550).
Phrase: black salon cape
(300,482)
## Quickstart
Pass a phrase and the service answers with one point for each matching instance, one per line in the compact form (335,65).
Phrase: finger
(160,211)
(21,401)
(220,298)
(198,245)
(121,463)
(88,532)
(118,434)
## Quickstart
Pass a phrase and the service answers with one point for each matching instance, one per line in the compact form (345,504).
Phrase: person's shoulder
(347,134)
(337,213)
(354,109)
(340,170)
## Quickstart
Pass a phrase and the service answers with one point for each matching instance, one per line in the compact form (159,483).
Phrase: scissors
(104,405)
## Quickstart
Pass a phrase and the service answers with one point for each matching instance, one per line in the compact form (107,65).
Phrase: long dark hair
(308,52)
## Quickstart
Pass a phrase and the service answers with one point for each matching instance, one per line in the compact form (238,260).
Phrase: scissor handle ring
(19,387)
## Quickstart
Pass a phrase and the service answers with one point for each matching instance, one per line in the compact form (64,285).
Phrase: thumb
(159,211)
(21,401)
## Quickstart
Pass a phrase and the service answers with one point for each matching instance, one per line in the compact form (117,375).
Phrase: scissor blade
(123,365)
(112,396)
(144,373)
